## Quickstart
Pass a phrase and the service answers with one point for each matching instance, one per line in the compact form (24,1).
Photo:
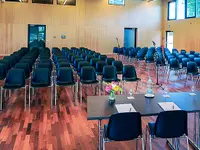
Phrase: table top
(98,107)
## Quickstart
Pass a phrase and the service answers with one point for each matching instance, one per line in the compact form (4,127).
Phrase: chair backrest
(65,74)
(197,61)
(109,61)
(124,126)
(2,71)
(63,64)
(99,66)
(174,64)
(118,64)
(191,57)
(109,72)
(171,124)
(192,52)
(93,62)
(81,64)
(192,67)
(88,58)
(96,55)
(25,67)
(6,63)
(129,72)
(44,65)
(76,61)
(88,74)
(185,61)
(102,57)
(15,77)
(41,75)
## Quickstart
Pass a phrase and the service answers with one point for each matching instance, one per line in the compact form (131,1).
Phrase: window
(169,40)
(191,8)
(66,2)
(43,1)
(171,10)
(116,2)
(180,9)
(198,8)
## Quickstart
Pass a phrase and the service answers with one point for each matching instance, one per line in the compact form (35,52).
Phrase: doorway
(36,36)
(130,37)
(170,40)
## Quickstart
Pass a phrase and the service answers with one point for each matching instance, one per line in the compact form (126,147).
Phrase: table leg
(100,134)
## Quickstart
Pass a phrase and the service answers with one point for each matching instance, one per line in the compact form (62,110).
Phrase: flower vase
(112,97)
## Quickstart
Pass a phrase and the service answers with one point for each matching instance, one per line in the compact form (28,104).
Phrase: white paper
(130,97)
(167,106)
(166,96)
(192,94)
(125,108)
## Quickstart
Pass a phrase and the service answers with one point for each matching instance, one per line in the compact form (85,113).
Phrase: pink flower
(108,88)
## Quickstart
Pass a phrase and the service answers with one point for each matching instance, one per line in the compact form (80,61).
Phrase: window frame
(116,4)
(186,17)
(169,12)
(197,9)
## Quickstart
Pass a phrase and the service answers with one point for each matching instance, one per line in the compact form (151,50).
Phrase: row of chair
(128,126)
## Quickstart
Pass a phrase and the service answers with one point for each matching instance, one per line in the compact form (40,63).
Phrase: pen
(130,110)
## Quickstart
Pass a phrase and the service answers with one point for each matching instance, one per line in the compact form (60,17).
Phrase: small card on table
(121,108)
(192,94)
(167,106)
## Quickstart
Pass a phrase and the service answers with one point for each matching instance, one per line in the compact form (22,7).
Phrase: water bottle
(149,85)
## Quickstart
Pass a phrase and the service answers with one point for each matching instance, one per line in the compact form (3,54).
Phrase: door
(36,36)
(130,37)
(170,40)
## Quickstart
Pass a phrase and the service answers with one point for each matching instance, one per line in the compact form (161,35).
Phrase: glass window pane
(116,2)
(66,2)
(43,1)
(191,8)
(181,9)
(172,10)
(198,8)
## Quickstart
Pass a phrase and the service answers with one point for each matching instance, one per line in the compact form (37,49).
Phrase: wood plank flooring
(65,126)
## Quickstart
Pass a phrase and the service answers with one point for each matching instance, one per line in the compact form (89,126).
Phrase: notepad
(166,106)
(166,96)
(121,108)
(192,94)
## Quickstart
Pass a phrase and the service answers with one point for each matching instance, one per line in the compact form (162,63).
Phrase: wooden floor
(65,126)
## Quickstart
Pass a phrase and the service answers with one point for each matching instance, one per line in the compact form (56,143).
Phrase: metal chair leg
(55,94)
(9,93)
(188,147)
(142,143)
(1,98)
(81,99)
(136,144)
(5,94)
(104,144)
(150,143)
(136,86)
(29,93)
(51,95)
(25,90)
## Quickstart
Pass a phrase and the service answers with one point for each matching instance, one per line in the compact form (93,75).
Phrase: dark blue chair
(169,124)
(2,71)
(102,57)
(109,61)
(192,70)
(93,62)
(119,66)
(174,66)
(123,127)
(88,77)
(25,67)
(41,78)
(109,74)
(15,79)
(130,75)
(65,77)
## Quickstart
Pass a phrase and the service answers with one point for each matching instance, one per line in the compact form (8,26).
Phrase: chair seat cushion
(37,85)
(131,79)
(13,86)
(119,72)
(151,126)
(110,80)
(60,83)
(89,81)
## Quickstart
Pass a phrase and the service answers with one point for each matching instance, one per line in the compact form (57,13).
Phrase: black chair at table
(2,77)
(130,75)
(41,78)
(88,77)
(124,127)
(15,79)
(169,124)
(65,77)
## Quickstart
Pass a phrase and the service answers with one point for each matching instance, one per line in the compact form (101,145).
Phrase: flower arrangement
(112,87)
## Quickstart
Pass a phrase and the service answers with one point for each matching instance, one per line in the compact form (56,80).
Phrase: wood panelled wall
(91,23)
(186,31)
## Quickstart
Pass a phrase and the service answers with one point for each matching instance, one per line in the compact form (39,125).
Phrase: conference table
(98,108)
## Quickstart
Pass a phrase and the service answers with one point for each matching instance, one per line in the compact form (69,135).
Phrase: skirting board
(4,54)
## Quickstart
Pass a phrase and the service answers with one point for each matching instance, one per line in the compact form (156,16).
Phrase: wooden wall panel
(92,23)
(186,32)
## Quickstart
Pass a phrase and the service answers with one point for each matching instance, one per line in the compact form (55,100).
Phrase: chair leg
(188,147)
(29,93)
(136,86)
(5,94)
(142,144)
(136,144)
(186,79)
(51,95)
(55,94)
(81,99)
(104,144)
(76,91)
(9,93)
(168,75)
(150,143)
(1,98)
(25,90)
